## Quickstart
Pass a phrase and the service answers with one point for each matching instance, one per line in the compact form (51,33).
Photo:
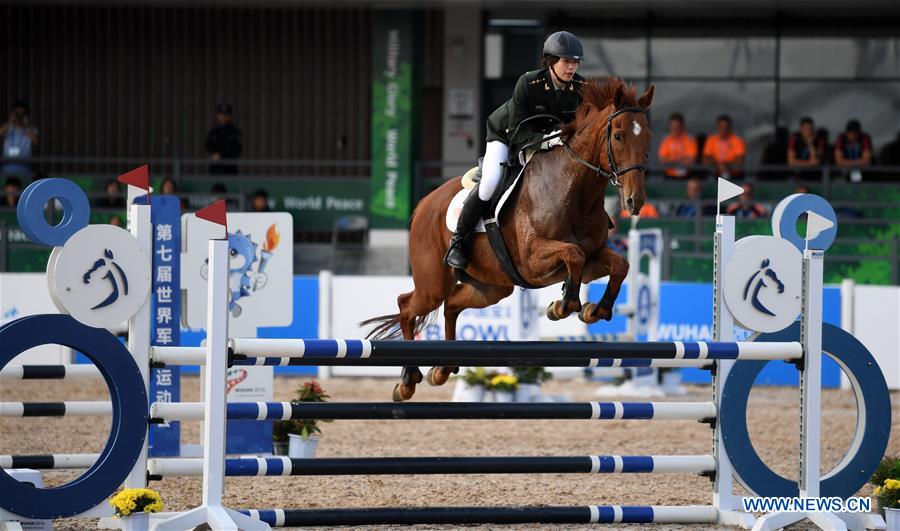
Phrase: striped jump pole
(584,514)
(49,372)
(54,409)
(591,464)
(48,462)
(698,411)
(484,362)
(422,352)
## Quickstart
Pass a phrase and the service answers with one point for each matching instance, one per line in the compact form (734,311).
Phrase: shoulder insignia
(546,86)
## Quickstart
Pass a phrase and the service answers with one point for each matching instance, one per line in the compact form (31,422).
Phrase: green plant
(889,468)
(310,391)
(504,382)
(887,483)
(477,376)
(531,375)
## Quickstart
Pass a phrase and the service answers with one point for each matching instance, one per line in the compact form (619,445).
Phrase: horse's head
(614,121)
(628,145)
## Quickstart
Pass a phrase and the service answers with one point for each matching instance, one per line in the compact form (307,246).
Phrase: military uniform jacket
(535,93)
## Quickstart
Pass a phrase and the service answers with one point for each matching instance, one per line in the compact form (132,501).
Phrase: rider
(555,89)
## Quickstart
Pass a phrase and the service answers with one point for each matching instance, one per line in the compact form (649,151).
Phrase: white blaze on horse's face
(636,128)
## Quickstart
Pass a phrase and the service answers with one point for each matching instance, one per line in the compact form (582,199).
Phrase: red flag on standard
(139,177)
(214,213)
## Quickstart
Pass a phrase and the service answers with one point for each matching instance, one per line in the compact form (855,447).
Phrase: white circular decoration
(101,276)
(763,283)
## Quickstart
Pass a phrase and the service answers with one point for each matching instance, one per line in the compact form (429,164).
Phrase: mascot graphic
(243,279)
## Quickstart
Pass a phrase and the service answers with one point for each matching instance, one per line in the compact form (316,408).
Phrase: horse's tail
(388,326)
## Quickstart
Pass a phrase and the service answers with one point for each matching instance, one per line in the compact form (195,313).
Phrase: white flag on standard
(726,191)
(816,225)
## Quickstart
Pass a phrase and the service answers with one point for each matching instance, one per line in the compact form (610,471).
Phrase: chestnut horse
(556,232)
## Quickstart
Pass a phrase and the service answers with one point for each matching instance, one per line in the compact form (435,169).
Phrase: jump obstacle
(721,355)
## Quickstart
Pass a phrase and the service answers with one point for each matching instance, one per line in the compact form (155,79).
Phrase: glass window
(614,57)
(840,58)
(831,105)
(713,57)
(750,105)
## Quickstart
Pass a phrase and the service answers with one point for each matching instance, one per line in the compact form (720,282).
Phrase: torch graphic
(272,240)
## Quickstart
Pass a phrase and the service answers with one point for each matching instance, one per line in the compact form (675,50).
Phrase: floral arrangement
(477,376)
(531,375)
(136,501)
(887,483)
(310,391)
(504,382)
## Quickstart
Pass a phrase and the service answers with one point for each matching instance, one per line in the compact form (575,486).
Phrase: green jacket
(534,94)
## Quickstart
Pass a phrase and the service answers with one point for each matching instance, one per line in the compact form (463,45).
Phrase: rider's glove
(552,142)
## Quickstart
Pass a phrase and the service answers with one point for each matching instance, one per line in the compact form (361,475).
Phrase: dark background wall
(143,82)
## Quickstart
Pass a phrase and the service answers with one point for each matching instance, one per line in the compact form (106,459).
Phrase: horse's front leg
(544,258)
(606,263)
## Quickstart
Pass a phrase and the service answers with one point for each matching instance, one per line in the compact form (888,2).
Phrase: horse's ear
(646,98)
(619,97)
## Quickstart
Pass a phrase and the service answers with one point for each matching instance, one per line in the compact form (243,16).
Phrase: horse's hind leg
(608,263)
(414,308)
(464,296)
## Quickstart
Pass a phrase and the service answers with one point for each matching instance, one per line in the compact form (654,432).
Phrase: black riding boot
(461,242)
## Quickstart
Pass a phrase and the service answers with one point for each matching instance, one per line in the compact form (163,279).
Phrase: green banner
(392,116)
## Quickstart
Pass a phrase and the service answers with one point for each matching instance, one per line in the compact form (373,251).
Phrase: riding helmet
(565,45)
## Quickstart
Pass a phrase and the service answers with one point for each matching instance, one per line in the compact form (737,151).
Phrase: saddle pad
(456,205)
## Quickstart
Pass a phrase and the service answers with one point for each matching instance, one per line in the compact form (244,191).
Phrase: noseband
(614,171)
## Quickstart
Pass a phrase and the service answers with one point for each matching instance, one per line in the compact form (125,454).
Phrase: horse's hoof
(586,315)
(403,393)
(437,376)
(551,312)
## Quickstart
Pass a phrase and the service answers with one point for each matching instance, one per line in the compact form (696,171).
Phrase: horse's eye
(618,137)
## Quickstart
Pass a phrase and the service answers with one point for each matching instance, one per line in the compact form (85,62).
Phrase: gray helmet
(563,44)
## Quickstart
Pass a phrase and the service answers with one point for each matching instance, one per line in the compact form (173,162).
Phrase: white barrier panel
(871,314)
(24,294)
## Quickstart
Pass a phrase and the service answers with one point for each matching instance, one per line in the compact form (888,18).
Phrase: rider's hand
(552,142)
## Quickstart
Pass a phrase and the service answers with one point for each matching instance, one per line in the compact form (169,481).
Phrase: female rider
(555,89)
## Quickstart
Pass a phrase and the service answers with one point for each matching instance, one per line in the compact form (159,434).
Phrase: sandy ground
(775,440)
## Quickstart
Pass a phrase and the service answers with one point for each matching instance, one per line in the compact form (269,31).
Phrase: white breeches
(494,153)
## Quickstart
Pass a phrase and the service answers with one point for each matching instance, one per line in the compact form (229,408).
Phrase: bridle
(614,171)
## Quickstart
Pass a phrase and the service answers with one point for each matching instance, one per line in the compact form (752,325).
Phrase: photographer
(18,140)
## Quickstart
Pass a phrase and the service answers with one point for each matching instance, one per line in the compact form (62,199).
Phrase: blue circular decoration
(789,210)
(873,426)
(30,212)
(129,416)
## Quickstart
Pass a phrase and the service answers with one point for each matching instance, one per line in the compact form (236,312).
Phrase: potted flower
(134,507)
(280,431)
(530,380)
(503,387)
(304,434)
(471,385)
(887,490)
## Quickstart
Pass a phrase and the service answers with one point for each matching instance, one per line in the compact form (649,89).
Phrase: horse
(556,232)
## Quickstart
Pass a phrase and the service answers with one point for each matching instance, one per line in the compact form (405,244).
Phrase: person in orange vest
(678,149)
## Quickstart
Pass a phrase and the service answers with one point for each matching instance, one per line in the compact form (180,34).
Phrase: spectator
(168,187)
(678,149)
(224,141)
(13,189)
(113,197)
(691,207)
(116,221)
(853,150)
(803,189)
(805,148)
(775,154)
(18,140)
(260,202)
(218,190)
(745,207)
(725,150)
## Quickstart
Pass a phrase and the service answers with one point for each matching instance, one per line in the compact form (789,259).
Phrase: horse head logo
(758,281)
(113,278)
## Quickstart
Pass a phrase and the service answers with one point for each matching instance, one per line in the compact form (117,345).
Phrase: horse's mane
(600,94)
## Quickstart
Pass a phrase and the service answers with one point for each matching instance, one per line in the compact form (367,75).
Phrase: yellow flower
(132,500)
(891,484)
(505,379)
(877,491)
